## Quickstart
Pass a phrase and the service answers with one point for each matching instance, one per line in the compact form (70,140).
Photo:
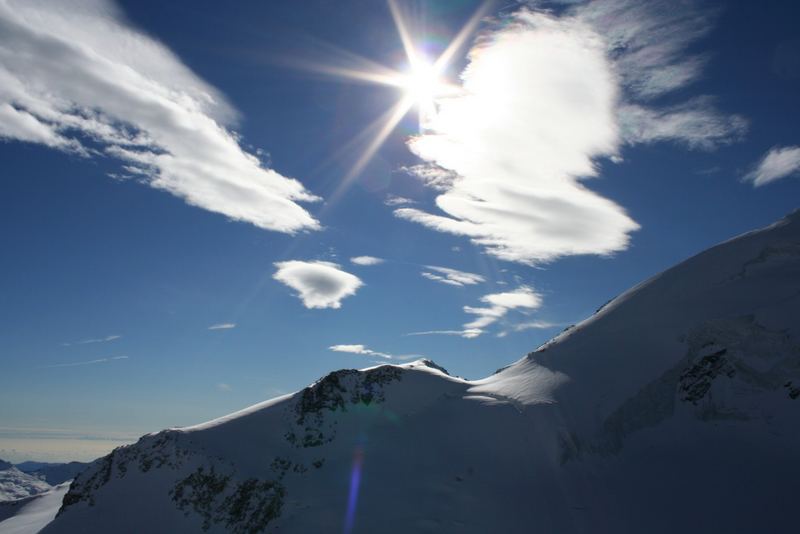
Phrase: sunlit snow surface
(676,408)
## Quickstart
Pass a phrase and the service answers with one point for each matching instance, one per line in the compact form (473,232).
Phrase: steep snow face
(676,408)
(14,484)
(728,318)
(33,513)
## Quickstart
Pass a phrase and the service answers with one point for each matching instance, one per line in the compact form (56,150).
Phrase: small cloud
(394,200)
(92,340)
(222,386)
(319,284)
(87,362)
(222,326)
(468,333)
(367,260)
(778,163)
(364,351)
(531,325)
(499,304)
(452,277)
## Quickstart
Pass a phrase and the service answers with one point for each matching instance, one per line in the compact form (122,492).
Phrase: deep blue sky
(85,256)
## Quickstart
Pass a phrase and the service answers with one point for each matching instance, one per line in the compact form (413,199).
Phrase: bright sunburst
(420,84)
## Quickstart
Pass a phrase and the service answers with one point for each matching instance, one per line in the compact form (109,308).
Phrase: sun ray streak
(461,38)
(405,35)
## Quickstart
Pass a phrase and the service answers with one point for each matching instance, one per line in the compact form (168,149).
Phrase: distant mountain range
(675,408)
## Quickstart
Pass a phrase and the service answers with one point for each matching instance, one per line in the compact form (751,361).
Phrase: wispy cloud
(364,351)
(530,325)
(86,362)
(452,277)
(92,340)
(319,284)
(779,162)
(366,260)
(495,307)
(499,304)
(395,200)
(222,326)
(467,333)
(75,77)
(222,386)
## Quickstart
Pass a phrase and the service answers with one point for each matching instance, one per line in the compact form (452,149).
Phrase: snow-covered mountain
(15,484)
(675,408)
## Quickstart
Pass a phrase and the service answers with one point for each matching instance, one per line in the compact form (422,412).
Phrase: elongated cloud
(366,260)
(364,351)
(543,98)
(222,326)
(75,77)
(452,277)
(778,163)
(85,362)
(105,339)
(319,284)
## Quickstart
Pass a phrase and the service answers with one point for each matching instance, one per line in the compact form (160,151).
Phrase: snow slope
(35,512)
(675,408)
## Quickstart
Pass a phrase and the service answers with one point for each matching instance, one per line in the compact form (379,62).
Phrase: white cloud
(222,386)
(364,351)
(86,362)
(542,98)
(649,43)
(93,340)
(538,104)
(778,163)
(319,284)
(222,326)
(366,260)
(395,200)
(451,276)
(75,77)
(499,304)
(467,333)
(496,307)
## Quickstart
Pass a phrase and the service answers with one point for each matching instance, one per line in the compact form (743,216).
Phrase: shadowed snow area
(675,408)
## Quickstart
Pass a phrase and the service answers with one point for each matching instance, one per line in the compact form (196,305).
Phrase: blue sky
(171,167)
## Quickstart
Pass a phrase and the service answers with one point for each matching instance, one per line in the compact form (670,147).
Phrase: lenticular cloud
(538,105)
(74,77)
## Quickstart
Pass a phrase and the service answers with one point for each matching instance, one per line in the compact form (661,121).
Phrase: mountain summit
(675,408)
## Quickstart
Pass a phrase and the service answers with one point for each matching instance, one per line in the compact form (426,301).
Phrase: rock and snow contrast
(675,408)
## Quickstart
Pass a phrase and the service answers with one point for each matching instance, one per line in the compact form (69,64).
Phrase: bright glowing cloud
(499,304)
(364,351)
(778,163)
(222,326)
(75,77)
(451,277)
(319,284)
(542,98)
(367,260)
(538,104)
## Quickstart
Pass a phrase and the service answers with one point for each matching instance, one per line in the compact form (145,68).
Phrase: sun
(423,83)
(420,85)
